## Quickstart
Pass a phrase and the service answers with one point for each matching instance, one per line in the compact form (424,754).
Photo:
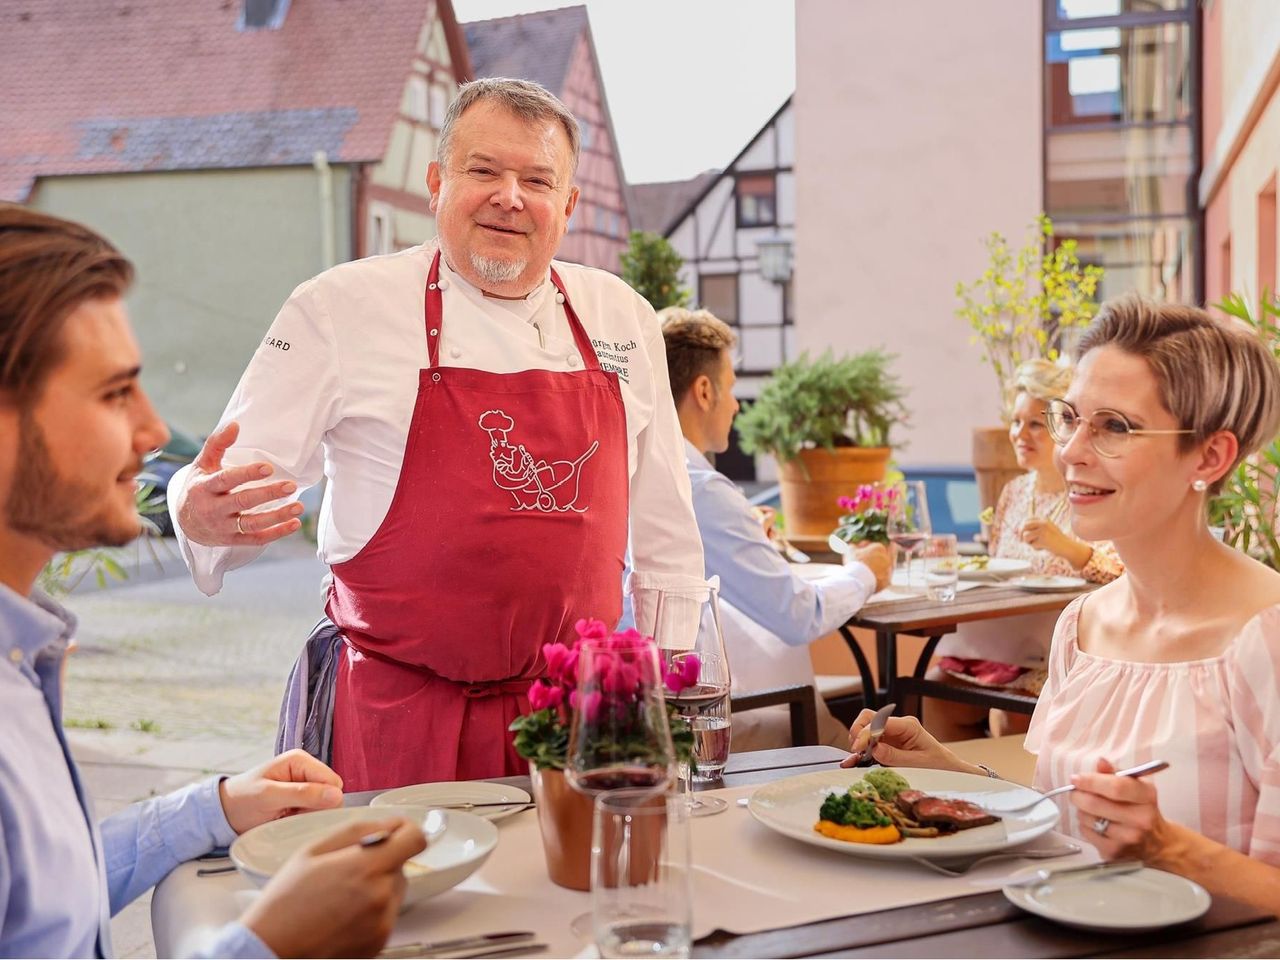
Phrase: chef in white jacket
(491,425)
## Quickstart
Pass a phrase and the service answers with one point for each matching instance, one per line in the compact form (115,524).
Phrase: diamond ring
(1101,825)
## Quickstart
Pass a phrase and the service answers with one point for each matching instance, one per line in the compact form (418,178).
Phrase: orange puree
(836,831)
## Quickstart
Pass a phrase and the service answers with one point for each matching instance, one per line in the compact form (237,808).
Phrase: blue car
(952,493)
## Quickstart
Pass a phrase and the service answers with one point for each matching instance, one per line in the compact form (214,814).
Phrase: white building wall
(918,130)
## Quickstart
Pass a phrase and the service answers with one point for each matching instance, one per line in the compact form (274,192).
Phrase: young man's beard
(60,512)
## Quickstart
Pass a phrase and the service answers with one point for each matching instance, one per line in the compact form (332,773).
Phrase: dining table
(918,615)
(756,893)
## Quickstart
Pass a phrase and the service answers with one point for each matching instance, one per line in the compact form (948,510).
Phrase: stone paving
(169,686)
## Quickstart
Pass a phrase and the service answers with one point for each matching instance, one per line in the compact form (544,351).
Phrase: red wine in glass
(616,778)
(909,541)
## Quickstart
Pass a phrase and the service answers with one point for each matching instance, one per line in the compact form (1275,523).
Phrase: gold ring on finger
(239,527)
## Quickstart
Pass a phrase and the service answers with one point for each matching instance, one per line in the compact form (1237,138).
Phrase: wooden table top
(980,603)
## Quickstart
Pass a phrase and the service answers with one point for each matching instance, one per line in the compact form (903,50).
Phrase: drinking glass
(909,524)
(941,566)
(712,735)
(641,895)
(618,735)
(685,623)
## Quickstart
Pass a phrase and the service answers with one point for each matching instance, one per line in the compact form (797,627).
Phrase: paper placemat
(746,879)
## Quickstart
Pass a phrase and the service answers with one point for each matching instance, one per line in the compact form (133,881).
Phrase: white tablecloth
(746,879)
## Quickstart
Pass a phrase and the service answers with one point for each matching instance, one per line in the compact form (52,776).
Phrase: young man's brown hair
(695,341)
(48,267)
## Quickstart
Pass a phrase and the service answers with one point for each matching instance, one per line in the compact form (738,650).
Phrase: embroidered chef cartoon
(549,486)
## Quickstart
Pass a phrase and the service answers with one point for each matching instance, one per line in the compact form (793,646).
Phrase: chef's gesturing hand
(214,509)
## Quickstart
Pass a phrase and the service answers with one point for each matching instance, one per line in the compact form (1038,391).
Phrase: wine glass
(909,524)
(618,735)
(685,623)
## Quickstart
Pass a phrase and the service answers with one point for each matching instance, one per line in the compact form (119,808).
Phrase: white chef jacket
(331,389)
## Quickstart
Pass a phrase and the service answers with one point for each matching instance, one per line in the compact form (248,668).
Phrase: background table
(934,619)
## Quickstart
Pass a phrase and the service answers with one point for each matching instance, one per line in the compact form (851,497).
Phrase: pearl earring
(1199,486)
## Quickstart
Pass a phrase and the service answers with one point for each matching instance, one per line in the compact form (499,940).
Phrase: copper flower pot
(564,817)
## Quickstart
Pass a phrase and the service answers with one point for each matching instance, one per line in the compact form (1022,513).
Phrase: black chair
(800,698)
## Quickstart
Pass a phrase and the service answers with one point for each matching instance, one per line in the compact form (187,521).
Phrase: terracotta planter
(815,479)
(994,463)
(564,817)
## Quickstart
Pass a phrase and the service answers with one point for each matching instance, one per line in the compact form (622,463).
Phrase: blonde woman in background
(1031,524)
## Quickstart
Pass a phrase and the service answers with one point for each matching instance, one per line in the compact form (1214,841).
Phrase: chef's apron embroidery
(548,486)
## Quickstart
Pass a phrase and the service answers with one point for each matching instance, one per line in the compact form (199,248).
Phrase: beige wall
(918,132)
(1243,156)
(217,253)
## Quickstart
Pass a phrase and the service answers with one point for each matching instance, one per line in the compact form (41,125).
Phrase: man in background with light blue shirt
(74,425)
(770,613)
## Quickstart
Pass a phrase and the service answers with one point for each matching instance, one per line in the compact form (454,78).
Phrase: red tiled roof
(103,86)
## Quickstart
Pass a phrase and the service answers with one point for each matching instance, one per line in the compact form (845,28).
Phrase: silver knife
(464,946)
(876,727)
(1114,868)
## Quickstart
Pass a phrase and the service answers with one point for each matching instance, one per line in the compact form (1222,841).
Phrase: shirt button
(455,353)
(443,283)
(573,359)
(15,655)
(559,298)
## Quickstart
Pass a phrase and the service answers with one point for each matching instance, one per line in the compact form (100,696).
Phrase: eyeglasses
(1109,430)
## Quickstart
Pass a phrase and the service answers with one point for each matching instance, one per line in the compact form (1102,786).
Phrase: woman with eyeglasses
(1031,523)
(1179,658)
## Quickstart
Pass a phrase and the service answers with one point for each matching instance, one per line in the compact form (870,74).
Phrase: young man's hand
(284,785)
(337,898)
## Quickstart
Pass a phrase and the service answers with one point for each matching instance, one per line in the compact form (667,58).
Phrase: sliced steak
(906,801)
(956,814)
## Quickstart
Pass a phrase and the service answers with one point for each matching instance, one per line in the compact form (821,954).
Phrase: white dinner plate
(791,808)
(1144,900)
(445,794)
(1046,583)
(995,567)
(457,847)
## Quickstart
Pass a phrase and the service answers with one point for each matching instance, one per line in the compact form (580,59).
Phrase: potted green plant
(1247,506)
(1028,303)
(828,422)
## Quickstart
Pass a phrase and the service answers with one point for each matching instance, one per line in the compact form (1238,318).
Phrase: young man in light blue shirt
(74,425)
(772,614)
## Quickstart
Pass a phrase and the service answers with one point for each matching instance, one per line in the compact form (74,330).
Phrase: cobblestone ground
(169,686)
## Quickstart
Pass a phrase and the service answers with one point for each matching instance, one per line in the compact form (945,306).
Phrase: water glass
(641,893)
(711,740)
(941,567)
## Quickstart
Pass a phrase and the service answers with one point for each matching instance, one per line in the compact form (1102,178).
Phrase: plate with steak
(902,813)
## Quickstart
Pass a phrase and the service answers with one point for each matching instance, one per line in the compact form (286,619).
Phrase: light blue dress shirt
(753,575)
(61,876)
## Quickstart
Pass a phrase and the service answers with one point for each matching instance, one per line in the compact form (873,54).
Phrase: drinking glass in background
(909,525)
(711,740)
(685,623)
(618,735)
(641,894)
(941,566)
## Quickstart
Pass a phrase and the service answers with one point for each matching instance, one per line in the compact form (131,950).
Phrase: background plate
(791,807)
(443,794)
(997,567)
(1045,583)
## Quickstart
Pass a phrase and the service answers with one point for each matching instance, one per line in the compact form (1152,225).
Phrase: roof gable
(100,86)
(530,46)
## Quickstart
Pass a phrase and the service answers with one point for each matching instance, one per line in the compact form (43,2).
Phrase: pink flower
(590,703)
(683,673)
(622,678)
(591,629)
(846,503)
(543,697)
(562,663)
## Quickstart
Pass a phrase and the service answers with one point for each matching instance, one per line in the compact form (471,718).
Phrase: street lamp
(775,259)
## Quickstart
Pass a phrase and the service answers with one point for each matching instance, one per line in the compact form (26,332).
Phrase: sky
(689,82)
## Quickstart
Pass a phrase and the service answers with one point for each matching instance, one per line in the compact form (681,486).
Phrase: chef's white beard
(493,270)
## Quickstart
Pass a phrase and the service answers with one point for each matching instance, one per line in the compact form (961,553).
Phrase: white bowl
(453,853)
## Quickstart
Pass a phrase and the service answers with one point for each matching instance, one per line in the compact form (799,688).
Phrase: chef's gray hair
(527,100)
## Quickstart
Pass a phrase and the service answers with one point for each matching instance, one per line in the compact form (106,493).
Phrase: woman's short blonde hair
(1041,380)
(1212,374)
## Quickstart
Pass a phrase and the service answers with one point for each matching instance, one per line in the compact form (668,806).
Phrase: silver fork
(961,868)
(1141,770)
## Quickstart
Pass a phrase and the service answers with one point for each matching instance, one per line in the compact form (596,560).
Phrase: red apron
(509,522)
